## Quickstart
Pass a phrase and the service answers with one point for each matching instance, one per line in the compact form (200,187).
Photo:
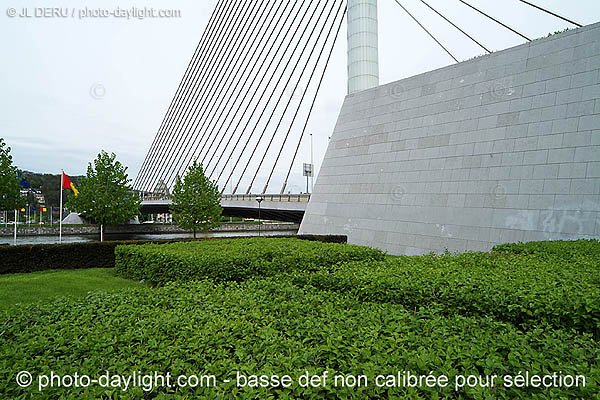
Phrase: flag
(67,184)
(24,183)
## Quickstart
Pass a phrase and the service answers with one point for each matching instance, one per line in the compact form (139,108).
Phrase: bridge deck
(288,207)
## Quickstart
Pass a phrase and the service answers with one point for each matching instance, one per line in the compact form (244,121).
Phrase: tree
(10,191)
(49,185)
(105,194)
(196,201)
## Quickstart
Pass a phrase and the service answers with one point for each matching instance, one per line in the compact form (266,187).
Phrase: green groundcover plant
(268,327)
(306,308)
(523,287)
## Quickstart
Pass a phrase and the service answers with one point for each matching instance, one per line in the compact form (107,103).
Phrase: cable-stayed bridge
(243,107)
(244,103)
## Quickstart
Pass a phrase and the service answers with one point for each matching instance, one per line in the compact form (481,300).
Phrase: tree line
(106,196)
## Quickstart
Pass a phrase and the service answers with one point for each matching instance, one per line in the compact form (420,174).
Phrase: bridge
(286,208)
(502,147)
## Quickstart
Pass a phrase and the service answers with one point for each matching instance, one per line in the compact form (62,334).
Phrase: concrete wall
(502,148)
(144,229)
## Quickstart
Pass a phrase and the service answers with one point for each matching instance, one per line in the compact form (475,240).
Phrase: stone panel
(502,148)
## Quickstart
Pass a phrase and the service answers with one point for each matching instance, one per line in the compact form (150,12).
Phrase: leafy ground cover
(45,286)
(449,315)
(523,289)
(267,327)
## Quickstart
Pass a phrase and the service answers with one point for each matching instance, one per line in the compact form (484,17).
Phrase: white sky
(49,67)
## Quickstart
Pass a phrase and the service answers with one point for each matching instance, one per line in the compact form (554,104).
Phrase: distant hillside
(49,185)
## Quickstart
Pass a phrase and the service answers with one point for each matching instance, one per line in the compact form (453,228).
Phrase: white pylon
(363,53)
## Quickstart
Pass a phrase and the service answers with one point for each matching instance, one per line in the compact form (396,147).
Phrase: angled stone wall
(502,148)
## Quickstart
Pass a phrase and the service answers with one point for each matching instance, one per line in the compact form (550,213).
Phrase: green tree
(105,194)
(10,191)
(196,201)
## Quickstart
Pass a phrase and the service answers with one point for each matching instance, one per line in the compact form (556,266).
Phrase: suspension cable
(223,63)
(312,106)
(221,91)
(495,20)
(342,12)
(215,16)
(457,27)
(551,13)
(271,32)
(280,97)
(272,61)
(314,98)
(298,27)
(425,29)
(195,144)
(202,91)
(199,73)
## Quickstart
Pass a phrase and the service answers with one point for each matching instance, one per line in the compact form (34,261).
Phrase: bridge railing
(283,198)
(287,198)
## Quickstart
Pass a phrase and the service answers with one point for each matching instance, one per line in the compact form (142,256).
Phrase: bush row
(40,257)
(561,249)
(269,327)
(525,290)
(232,259)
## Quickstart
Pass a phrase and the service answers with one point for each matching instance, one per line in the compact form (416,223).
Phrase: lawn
(43,287)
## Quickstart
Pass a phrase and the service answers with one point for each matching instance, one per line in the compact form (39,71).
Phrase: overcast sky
(70,88)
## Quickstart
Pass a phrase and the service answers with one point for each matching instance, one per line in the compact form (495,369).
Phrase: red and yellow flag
(67,184)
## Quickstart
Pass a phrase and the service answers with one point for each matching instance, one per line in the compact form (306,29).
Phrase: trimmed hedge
(324,238)
(524,289)
(269,327)
(41,257)
(561,249)
(233,259)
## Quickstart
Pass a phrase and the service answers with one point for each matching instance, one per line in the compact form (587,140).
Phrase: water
(92,238)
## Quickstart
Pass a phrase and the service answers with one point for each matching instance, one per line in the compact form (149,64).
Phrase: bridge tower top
(363,53)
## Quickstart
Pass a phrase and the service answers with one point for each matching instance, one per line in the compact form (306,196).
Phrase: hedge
(232,259)
(269,326)
(561,249)
(41,257)
(524,289)
(324,238)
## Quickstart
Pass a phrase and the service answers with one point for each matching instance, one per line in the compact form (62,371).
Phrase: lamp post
(15,233)
(312,162)
(259,200)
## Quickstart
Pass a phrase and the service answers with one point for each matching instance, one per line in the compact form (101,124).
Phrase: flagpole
(62,174)
(16,217)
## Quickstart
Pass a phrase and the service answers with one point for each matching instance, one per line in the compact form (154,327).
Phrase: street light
(259,200)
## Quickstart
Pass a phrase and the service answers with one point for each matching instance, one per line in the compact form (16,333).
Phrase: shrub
(561,249)
(269,327)
(324,238)
(40,257)
(232,259)
(524,289)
